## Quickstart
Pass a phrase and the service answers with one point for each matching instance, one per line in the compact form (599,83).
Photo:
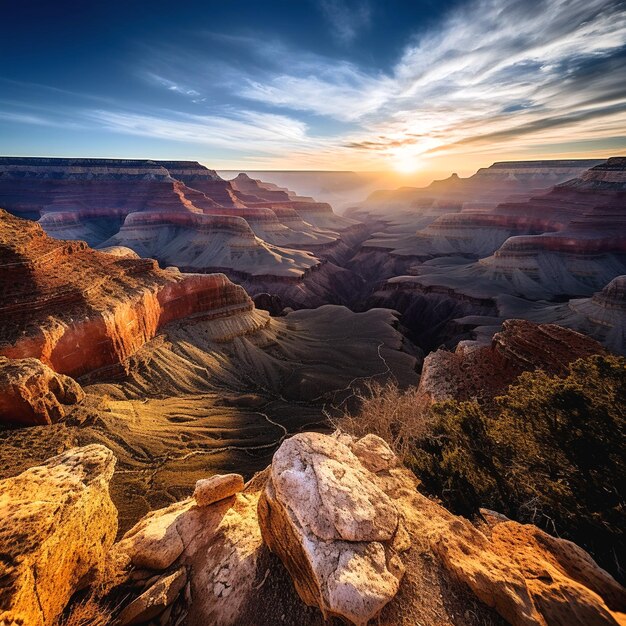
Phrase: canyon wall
(77,310)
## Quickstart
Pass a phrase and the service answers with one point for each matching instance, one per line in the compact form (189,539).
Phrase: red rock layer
(33,394)
(483,371)
(77,310)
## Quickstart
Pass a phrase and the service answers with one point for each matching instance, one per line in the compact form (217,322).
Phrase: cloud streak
(496,76)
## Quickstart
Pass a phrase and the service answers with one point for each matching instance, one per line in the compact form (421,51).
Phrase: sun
(406,165)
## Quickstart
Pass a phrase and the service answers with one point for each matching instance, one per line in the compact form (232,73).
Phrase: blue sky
(314,84)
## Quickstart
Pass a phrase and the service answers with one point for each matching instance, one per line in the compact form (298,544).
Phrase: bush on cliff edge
(550,452)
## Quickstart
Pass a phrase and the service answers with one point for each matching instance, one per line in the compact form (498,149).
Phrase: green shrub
(550,451)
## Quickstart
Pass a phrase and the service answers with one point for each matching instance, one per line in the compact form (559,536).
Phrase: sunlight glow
(406,165)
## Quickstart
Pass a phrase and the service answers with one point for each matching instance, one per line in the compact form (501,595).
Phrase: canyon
(175,349)
(540,254)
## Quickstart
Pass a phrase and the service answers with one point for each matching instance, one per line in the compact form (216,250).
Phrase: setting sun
(407,165)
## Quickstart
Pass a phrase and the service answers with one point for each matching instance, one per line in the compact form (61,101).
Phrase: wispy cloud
(170,85)
(494,72)
(346,18)
(496,76)
(259,132)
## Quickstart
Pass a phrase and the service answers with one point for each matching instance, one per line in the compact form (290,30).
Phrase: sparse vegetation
(396,415)
(88,612)
(550,451)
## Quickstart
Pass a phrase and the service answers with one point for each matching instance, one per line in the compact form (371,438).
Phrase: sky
(420,88)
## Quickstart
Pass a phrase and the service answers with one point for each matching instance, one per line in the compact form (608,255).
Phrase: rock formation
(344,516)
(180,372)
(199,242)
(78,310)
(335,530)
(475,370)
(57,523)
(31,393)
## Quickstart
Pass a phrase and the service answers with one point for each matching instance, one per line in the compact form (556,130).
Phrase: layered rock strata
(475,370)
(77,310)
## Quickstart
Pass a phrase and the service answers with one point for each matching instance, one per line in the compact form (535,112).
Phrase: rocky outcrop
(357,540)
(475,370)
(217,545)
(528,576)
(57,523)
(32,393)
(335,530)
(78,310)
(269,302)
(184,215)
(344,516)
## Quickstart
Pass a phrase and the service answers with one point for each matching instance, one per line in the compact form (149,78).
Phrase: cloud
(346,18)
(259,132)
(493,72)
(172,86)
(494,76)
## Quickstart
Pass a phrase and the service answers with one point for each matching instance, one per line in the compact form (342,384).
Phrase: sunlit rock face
(263,191)
(77,310)
(57,524)
(206,181)
(357,541)
(31,393)
(476,370)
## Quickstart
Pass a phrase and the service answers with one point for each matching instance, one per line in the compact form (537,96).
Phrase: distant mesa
(185,215)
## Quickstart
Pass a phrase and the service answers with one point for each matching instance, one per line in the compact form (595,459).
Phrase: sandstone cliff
(77,310)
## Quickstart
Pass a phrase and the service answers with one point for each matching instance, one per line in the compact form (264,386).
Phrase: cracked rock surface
(332,526)
(57,522)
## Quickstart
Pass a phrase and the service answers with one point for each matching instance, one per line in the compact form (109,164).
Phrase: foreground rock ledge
(57,522)
(332,526)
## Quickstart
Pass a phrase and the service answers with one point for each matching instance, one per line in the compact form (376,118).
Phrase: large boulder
(31,393)
(57,522)
(333,527)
